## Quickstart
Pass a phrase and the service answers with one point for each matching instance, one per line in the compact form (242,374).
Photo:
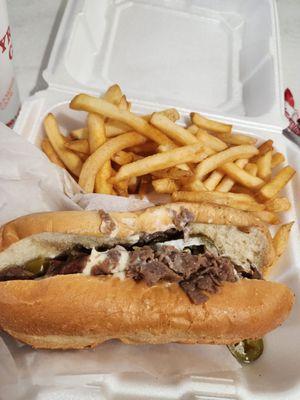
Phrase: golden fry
(278,204)
(113,95)
(194,129)
(70,159)
(241,189)
(133,184)
(145,149)
(172,173)
(122,157)
(277,159)
(234,200)
(241,176)
(145,184)
(272,188)
(264,166)
(225,156)
(81,133)
(79,145)
(213,180)
(210,140)
(102,184)
(99,106)
(251,168)
(281,238)
(104,153)
(171,113)
(194,185)
(210,125)
(175,132)
(235,139)
(263,149)
(83,156)
(50,153)
(96,129)
(227,183)
(115,128)
(158,161)
(165,185)
(268,216)
(122,187)
(124,104)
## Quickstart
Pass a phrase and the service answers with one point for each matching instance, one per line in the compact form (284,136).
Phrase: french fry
(92,104)
(50,153)
(175,132)
(171,113)
(79,145)
(115,128)
(113,95)
(83,156)
(165,185)
(210,140)
(144,186)
(277,159)
(172,173)
(235,139)
(81,133)
(102,184)
(241,189)
(96,129)
(146,149)
(234,200)
(104,153)
(213,180)
(70,159)
(158,161)
(272,188)
(122,187)
(122,157)
(263,149)
(133,184)
(193,185)
(225,156)
(278,204)
(264,166)
(210,125)
(268,216)
(241,176)
(194,129)
(281,238)
(227,183)
(124,104)
(251,168)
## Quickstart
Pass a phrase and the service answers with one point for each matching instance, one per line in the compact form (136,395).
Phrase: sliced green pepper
(36,266)
(247,351)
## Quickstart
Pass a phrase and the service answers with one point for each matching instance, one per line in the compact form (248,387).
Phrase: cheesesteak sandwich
(187,273)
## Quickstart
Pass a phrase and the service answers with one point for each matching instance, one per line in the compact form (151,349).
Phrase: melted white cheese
(119,269)
(180,244)
(96,257)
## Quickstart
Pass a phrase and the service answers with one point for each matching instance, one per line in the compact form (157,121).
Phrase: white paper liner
(30,183)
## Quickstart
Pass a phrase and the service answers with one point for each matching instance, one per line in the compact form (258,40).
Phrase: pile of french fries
(119,152)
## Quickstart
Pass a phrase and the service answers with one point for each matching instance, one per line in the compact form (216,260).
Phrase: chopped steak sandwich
(187,273)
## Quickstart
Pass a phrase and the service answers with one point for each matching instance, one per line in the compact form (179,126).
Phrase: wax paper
(30,183)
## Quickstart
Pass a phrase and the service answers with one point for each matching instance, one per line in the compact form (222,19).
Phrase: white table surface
(34,25)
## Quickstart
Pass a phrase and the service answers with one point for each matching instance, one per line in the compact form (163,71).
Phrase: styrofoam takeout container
(218,57)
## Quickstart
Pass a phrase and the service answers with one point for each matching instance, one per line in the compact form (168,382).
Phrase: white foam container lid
(218,57)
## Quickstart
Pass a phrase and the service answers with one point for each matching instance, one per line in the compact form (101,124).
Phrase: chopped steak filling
(197,273)
(168,256)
